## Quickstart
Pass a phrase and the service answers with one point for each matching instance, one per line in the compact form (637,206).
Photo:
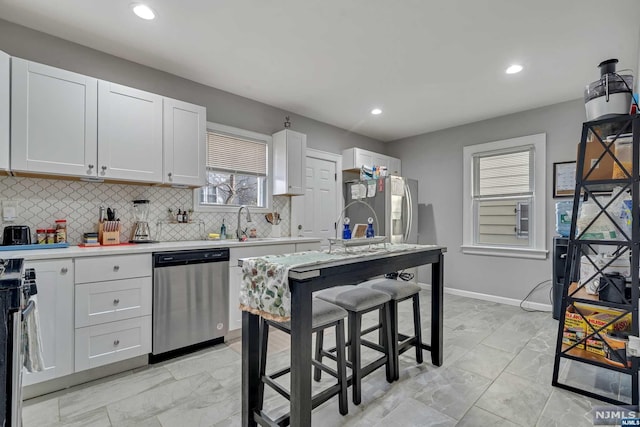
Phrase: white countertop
(76,251)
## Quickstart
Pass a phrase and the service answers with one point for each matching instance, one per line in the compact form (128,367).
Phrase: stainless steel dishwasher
(190,298)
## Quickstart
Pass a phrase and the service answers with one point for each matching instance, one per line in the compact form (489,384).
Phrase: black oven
(17,285)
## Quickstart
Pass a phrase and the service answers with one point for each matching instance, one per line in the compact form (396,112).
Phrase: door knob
(116,342)
(64,270)
(116,301)
(104,168)
(116,267)
(169,174)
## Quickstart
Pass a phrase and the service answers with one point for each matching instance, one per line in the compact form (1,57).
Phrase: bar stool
(400,291)
(358,301)
(325,315)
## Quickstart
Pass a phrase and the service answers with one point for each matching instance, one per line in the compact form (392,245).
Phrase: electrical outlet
(9,210)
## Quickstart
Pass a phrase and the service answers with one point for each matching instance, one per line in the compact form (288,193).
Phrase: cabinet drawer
(103,302)
(301,247)
(100,269)
(111,342)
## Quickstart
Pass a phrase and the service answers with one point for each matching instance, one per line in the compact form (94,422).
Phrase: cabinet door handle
(170,174)
(104,168)
(90,166)
(116,267)
(116,342)
(64,270)
(116,301)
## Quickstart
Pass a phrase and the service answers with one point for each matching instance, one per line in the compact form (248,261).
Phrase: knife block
(109,237)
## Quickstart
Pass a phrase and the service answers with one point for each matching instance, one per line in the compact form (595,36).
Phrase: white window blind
(238,155)
(503,186)
(503,174)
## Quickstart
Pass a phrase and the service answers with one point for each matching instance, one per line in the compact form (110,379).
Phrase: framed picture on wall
(564,179)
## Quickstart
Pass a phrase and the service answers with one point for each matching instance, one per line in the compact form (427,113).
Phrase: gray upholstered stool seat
(353,298)
(359,301)
(323,313)
(399,291)
(396,289)
(324,316)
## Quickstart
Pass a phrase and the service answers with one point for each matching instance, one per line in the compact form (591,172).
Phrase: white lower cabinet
(235,314)
(113,315)
(55,309)
(111,342)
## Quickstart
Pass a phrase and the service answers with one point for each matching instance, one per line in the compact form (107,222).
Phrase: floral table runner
(265,280)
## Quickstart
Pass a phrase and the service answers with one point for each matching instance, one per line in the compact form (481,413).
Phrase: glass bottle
(370,233)
(61,230)
(346,232)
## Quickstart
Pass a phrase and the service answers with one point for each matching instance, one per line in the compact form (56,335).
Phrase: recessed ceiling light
(376,111)
(143,11)
(515,68)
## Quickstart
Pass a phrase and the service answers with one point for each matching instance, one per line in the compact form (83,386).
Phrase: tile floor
(497,371)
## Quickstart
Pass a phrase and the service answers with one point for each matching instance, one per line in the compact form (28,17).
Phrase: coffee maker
(141,233)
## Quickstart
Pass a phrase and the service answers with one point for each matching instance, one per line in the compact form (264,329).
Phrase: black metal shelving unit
(627,244)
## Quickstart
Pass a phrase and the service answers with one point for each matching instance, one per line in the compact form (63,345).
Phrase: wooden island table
(303,281)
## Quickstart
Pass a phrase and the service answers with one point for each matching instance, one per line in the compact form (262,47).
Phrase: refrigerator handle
(407,196)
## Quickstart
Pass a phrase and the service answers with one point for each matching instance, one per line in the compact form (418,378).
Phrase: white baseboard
(493,298)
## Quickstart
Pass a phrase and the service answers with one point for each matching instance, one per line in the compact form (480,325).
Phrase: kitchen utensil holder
(109,237)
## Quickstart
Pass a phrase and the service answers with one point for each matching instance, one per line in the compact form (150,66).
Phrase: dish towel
(33,360)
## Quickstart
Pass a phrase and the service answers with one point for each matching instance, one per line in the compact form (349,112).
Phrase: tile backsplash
(42,201)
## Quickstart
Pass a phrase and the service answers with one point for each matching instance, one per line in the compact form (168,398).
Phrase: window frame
(537,210)
(240,133)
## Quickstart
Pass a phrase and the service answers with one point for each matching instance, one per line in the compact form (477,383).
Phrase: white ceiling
(428,64)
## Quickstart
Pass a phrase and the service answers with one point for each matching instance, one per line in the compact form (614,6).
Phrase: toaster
(16,235)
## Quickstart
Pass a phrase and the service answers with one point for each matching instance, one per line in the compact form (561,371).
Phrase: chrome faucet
(240,233)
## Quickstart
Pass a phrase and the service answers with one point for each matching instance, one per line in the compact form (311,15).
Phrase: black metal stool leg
(393,335)
(381,338)
(264,341)
(417,327)
(343,402)
(392,365)
(317,372)
(355,327)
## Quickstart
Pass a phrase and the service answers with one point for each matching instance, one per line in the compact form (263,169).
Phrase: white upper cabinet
(5,69)
(289,162)
(53,120)
(185,128)
(129,133)
(355,158)
(394,166)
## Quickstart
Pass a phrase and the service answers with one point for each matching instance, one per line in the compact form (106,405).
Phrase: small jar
(51,235)
(41,236)
(61,230)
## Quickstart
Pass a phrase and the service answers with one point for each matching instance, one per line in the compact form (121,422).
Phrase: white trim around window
(241,133)
(537,244)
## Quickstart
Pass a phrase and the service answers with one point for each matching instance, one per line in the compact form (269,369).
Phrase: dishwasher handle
(168,259)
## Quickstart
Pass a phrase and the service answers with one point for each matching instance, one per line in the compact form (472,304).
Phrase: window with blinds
(237,169)
(502,196)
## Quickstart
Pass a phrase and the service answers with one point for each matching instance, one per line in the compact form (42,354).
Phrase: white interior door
(318,209)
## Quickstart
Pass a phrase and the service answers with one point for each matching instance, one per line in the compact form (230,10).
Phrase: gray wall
(436,160)
(222,107)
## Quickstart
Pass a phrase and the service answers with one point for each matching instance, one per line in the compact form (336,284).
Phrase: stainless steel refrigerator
(394,200)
